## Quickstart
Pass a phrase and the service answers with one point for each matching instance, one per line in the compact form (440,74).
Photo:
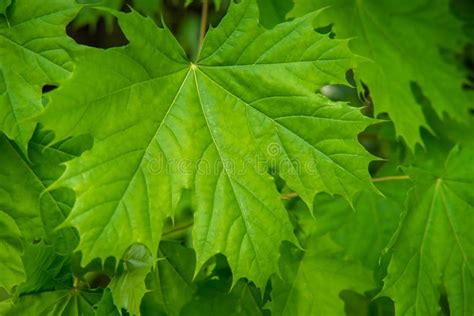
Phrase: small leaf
(128,285)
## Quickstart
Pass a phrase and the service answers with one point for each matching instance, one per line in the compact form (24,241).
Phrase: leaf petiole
(204,14)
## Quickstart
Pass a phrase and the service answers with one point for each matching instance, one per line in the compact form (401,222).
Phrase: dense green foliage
(311,157)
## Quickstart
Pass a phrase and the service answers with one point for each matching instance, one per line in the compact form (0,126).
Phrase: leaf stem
(204,14)
(289,196)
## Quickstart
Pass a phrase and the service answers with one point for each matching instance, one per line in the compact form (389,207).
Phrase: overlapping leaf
(171,283)
(31,214)
(4,4)
(23,182)
(34,51)
(312,280)
(64,302)
(215,298)
(128,285)
(90,17)
(162,124)
(434,249)
(48,289)
(174,291)
(106,305)
(405,41)
(364,230)
(273,12)
(45,269)
(10,253)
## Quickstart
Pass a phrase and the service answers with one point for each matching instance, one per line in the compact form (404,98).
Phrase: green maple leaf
(23,183)
(128,285)
(48,288)
(90,17)
(404,40)
(10,253)
(171,283)
(365,229)
(148,7)
(214,293)
(161,124)
(215,298)
(434,247)
(62,302)
(44,269)
(313,279)
(21,191)
(106,307)
(33,53)
(174,292)
(273,12)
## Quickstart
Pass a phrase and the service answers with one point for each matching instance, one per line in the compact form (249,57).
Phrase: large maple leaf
(434,248)
(405,41)
(34,52)
(162,123)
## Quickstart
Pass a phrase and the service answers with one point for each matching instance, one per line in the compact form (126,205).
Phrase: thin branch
(204,13)
(178,229)
(390,178)
(289,196)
